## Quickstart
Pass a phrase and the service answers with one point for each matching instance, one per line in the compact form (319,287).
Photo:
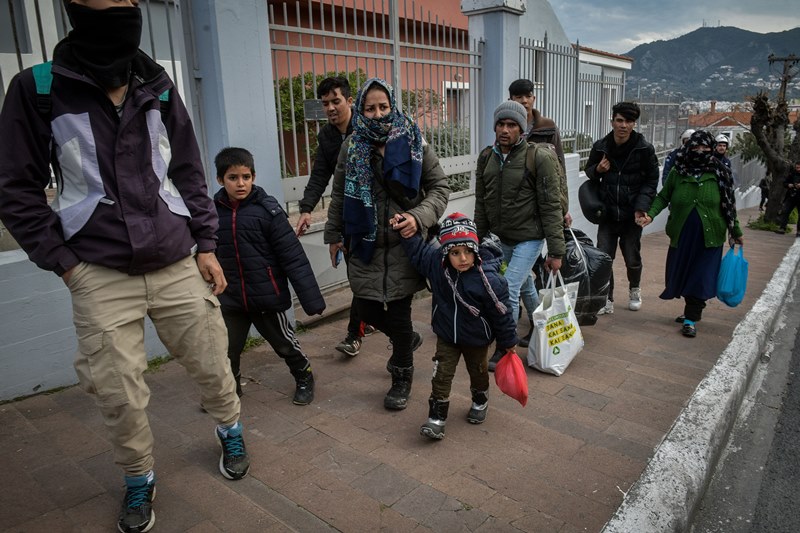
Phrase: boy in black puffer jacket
(470,310)
(260,253)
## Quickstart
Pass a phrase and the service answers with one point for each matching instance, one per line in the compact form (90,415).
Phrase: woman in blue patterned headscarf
(702,206)
(385,169)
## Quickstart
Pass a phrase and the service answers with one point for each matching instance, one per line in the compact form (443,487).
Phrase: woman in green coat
(702,213)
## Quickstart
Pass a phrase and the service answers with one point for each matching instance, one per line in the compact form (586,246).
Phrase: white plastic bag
(557,337)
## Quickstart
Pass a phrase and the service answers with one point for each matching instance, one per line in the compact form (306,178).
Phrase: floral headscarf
(402,163)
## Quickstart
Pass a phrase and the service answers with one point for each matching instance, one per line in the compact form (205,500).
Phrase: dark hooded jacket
(132,193)
(260,253)
(630,185)
(450,319)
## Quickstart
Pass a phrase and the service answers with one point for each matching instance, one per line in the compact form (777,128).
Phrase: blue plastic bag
(732,280)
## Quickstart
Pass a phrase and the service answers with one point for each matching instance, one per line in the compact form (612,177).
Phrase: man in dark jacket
(520,202)
(627,168)
(131,233)
(337,102)
(792,199)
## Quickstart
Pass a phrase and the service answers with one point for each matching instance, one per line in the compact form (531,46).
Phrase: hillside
(722,63)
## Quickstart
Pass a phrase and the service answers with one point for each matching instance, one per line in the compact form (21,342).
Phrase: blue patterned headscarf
(402,163)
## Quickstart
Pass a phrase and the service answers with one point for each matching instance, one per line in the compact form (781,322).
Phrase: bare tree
(769,124)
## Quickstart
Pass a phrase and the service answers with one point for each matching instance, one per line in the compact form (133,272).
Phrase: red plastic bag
(511,379)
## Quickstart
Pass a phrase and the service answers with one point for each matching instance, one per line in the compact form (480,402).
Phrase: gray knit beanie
(514,111)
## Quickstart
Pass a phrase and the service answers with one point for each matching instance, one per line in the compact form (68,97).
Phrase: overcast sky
(618,26)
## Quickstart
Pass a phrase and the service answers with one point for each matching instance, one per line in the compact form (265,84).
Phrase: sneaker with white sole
(607,309)
(233,460)
(635,299)
(136,515)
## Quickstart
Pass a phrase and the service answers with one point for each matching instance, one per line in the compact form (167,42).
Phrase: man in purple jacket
(132,231)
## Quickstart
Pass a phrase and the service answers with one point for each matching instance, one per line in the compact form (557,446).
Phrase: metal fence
(435,66)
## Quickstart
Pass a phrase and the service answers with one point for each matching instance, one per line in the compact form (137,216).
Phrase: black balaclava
(105,41)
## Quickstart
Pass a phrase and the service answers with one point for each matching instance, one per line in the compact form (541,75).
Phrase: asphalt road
(755,486)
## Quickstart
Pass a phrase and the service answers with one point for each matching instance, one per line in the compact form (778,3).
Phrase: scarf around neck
(402,163)
(690,163)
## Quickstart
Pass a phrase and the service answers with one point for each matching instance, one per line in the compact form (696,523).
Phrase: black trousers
(629,237)
(789,203)
(276,329)
(693,308)
(393,319)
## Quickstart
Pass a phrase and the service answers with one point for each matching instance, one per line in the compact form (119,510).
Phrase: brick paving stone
(583,397)
(609,462)
(345,464)
(658,389)
(22,498)
(214,499)
(647,411)
(99,514)
(66,484)
(633,432)
(385,484)
(12,422)
(454,516)
(421,503)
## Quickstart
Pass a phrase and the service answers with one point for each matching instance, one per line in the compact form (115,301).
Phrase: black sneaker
(304,391)
(234,461)
(494,359)
(350,346)
(136,515)
(369,330)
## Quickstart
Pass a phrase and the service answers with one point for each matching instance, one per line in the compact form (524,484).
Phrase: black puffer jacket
(630,185)
(260,253)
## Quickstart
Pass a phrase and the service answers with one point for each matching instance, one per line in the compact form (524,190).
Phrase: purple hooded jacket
(131,195)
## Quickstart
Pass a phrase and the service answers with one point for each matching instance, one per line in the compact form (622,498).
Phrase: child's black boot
(480,405)
(397,397)
(437,416)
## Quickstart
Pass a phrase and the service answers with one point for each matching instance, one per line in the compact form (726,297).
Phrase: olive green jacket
(389,275)
(518,204)
(684,193)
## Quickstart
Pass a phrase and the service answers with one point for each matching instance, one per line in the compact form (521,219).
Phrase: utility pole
(790,69)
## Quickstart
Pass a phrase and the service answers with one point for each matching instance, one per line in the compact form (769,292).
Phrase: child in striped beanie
(470,311)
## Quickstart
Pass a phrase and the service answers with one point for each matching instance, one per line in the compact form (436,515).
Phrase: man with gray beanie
(518,198)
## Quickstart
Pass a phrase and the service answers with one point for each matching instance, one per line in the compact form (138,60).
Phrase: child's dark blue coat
(450,319)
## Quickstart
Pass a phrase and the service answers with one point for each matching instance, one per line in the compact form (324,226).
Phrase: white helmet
(722,139)
(686,134)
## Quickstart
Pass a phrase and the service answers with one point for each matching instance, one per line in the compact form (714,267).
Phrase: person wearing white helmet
(669,161)
(721,148)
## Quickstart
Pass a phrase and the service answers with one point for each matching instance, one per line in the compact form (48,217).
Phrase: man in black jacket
(336,100)
(627,168)
(792,199)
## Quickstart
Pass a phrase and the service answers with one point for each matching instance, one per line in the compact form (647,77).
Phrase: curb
(674,481)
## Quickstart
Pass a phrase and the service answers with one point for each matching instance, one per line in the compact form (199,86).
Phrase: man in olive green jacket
(518,198)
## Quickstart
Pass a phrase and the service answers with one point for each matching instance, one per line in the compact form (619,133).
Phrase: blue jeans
(520,259)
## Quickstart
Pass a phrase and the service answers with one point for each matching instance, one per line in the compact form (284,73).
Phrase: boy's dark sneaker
(304,391)
(233,461)
(369,330)
(350,346)
(136,515)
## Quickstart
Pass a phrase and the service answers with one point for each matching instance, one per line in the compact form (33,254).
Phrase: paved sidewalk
(344,463)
